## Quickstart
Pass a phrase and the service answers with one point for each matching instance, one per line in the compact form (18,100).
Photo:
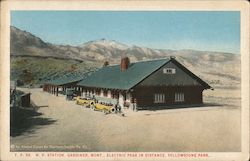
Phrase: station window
(169,71)
(159,98)
(97,92)
(179,97)
(101,93)
(105,93)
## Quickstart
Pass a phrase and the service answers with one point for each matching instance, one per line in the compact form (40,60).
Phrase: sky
(176,30)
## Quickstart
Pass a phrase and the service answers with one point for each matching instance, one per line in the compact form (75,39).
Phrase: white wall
(109,94)
(121,100)
(101,93)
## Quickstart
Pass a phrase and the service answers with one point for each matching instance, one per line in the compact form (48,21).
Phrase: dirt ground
(64,126)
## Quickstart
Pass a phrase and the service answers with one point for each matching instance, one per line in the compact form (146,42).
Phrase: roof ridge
(140,61)
(152,60)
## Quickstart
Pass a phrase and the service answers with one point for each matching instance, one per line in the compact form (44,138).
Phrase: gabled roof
(69,78)
(203,83)
(112,77)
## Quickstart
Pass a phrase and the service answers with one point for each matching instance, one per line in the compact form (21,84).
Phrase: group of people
(117,106)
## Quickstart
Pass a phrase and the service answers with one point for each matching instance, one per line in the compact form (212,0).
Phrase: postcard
(124,80)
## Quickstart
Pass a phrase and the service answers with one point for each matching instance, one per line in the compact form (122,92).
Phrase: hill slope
(35,61)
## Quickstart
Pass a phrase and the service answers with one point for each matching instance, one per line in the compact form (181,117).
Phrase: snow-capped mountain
(105,43)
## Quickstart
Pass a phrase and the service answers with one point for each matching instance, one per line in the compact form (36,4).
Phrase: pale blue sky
(199,30)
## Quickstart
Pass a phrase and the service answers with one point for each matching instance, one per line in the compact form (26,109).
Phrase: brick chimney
(124,63)
(106,63)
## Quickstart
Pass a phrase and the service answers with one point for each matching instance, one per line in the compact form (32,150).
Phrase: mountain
(25,44)
(34,61)
(43,61)
(104,43)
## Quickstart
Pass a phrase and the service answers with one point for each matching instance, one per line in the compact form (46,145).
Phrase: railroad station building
(148,84)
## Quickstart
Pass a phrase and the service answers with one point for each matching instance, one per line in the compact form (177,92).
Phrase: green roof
(69,78)
(112,77)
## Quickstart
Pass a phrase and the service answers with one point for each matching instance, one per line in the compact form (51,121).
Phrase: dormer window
(169,71)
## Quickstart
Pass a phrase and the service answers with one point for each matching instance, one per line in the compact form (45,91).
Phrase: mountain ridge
(21,38)
(216,67)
